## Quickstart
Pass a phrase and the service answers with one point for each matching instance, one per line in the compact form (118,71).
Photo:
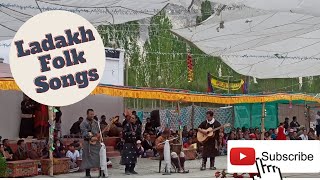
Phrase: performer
(27,117)
(91,146)
(131,133)
(210,147)
(178,161)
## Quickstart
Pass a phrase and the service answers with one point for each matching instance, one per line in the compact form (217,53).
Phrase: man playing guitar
(210,146)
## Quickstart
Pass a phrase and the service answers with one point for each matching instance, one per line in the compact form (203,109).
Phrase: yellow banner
(222,84)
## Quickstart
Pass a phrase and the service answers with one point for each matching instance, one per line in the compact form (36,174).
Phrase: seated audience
(59,149)
(75,129)
(267,136)
(33,153)
(148,146)
(140,150)
(311,135)
(304,135)
(7,148)
(149,127)
(74,155)
(45,152)
(5,154)
(187,144)
(21,153)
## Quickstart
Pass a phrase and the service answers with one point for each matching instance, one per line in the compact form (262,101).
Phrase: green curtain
(249,115)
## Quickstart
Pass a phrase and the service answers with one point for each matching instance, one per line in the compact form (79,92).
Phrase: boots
(131,170)
(204,163)
(175,162)
(127,170)
(182,160)
(101,174)
(88,175)
(212,159)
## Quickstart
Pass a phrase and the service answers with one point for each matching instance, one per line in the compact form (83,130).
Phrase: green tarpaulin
(249,115)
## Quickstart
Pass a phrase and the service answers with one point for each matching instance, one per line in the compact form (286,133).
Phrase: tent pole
(180,124)
(192,116)
(262,120)
(51,129)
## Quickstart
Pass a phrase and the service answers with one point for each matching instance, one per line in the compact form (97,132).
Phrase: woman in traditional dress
(281,134)
(41,121)
(27,117)
(131,133)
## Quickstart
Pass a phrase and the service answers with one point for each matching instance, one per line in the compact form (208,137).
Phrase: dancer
(210,147)
(131,133)
(91,146)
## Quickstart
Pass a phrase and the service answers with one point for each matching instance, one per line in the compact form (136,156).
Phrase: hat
(138,142)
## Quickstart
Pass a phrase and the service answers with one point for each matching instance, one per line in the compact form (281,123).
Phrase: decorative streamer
(190,67)
(226,84)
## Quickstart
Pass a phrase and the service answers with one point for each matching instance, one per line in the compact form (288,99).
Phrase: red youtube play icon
(242,156)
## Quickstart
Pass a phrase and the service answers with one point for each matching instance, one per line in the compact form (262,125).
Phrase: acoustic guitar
(203,137)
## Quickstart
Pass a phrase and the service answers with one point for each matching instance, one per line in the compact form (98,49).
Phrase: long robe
(209,146)
(129,152)
(281,133)
(27,124)
(90,156)
(41,124)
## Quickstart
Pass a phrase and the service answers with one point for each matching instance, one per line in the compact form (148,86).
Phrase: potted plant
(3,168)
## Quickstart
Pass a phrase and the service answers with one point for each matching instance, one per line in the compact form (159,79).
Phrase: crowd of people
(35,152)
(135,144)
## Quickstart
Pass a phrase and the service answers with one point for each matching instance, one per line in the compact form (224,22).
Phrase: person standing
(27,117)
(286,123)
(210,147)
(41,121)
(294,123)
(58,122)
(281,133)
(131,133)
(75,128)
(91,145)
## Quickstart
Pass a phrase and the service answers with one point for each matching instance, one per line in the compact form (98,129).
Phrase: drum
(176,148)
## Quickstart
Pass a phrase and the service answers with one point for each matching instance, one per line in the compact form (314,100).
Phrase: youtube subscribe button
(289,156)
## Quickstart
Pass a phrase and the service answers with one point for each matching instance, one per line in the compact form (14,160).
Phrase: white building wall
(103,105)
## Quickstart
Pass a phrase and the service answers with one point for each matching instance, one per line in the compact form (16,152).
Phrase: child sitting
(140,150)
(74,155)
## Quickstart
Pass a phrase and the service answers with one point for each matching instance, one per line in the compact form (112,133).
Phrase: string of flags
(190,67)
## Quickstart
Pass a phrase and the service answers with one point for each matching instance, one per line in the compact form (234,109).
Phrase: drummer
(178,161)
